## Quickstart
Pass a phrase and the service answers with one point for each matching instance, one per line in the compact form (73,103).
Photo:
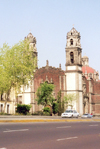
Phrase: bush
(46,113)
(37,113)
(23,109)
(2,113)
(55,108)
(46,109)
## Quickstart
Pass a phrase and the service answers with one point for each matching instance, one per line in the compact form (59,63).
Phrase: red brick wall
(96,98)
(95,95)
(50,72)
(97,87)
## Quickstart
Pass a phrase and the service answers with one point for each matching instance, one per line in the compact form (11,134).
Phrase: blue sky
(49,21)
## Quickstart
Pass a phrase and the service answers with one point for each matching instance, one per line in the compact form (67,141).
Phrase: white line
(93,125)
(64,127)
(67,138)
(3,148)
(16,130)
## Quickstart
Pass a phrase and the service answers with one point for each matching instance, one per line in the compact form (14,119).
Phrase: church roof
(87,69)
(29,35)
(74,32)
(85,56)
(31,38)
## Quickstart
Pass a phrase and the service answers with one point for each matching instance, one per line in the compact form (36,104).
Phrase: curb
(47,120)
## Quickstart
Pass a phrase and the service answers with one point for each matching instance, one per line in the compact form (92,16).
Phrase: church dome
(87,69)
(90,72)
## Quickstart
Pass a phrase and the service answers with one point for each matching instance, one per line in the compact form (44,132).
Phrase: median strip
(48,120)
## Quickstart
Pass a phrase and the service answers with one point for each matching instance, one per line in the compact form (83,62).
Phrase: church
(78,78)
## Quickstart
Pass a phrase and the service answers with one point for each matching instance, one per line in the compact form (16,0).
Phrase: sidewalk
(25,119)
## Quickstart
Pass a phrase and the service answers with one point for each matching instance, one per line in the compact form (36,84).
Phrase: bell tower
(74,68)
(32,46)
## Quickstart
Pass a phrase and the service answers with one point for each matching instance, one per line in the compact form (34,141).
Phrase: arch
(71,42)
(72,57)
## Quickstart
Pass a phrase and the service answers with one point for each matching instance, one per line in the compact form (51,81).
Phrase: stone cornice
(73,71)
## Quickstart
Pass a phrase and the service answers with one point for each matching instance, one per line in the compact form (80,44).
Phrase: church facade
(78,78)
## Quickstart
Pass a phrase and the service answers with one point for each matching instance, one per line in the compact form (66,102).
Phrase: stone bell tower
(74,68)
(32,45)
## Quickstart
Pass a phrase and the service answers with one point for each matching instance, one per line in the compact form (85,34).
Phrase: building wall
(51,75)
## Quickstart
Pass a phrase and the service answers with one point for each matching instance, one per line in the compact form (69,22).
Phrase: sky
(49,21)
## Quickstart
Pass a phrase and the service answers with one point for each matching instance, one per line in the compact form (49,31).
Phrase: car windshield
(68,111)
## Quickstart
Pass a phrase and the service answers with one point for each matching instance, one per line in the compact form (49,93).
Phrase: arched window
(71,42)
(72,57)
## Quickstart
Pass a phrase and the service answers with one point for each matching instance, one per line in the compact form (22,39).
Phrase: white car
(87,115)
(70,113)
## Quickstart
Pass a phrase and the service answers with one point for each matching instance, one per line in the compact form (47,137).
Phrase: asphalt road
(76,135)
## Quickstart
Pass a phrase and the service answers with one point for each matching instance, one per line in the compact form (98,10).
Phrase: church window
(71,42)
(72,57)
(71,33)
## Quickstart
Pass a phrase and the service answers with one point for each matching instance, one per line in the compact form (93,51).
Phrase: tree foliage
(60,103)
(17,64)
(69,98)
(45,94)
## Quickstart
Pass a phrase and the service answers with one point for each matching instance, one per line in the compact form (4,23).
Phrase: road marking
(67,138)
(64,127)
(93,125)
(3,148)
(16,130)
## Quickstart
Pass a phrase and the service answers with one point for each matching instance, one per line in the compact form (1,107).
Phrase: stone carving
(84,89)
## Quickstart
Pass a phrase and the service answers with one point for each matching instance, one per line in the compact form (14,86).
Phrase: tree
(45,94)
(60,102)
(69,98)
(17,64)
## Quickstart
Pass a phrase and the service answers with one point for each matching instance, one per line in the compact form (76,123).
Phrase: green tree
(45,94)
(69,98)
(59,103)
(62,106)
(17,64)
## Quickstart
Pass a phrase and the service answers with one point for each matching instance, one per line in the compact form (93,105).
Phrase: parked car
(70,113)
(87,115)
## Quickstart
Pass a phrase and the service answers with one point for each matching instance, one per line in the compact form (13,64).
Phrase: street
(76,135)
